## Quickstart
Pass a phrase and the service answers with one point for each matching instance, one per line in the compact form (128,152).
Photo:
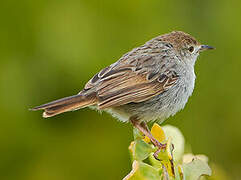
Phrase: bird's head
(186,46)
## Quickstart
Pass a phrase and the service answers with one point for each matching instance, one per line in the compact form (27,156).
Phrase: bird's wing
(126,81)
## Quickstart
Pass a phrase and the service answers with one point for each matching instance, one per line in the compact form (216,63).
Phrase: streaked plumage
(150,82)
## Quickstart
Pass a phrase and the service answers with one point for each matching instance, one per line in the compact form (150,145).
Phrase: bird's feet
(142,127)
(160,147)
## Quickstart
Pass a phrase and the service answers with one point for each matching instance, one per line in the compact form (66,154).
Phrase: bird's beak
(205,47)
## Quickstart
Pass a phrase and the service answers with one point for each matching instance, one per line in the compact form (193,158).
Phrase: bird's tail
(66,104)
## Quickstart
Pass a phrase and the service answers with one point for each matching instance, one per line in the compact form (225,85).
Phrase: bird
(150,83)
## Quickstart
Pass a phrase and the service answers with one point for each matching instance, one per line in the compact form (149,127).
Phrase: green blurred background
(50,48)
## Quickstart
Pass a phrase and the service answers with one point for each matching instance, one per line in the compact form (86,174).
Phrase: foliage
(173,164)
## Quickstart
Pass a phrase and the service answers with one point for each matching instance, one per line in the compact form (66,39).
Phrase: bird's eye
(191,49)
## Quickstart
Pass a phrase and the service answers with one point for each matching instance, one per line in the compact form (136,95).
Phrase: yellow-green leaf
(166,159)
(137,134)
(177,140)
(195,169)
(157,133)
(140,150)
(143,171)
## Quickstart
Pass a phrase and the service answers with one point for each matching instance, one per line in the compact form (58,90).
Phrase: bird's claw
(160,148)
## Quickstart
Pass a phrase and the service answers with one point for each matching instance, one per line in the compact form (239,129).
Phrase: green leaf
(177,140)
(169,167)
(137,134)
(143,171)
(195,169)
(166,159)
(140,150)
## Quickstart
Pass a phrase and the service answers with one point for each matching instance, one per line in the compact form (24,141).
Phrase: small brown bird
(151,82)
